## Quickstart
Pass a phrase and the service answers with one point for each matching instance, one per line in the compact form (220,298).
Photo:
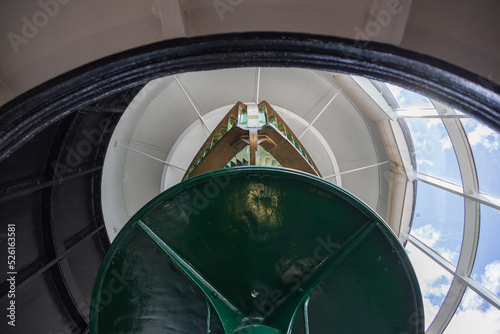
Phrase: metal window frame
(473,198)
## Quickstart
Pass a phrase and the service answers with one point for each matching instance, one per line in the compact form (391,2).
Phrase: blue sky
(485,144)
(434,153)
(439,216)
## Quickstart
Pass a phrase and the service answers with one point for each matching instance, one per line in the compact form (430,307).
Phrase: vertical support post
(253,146)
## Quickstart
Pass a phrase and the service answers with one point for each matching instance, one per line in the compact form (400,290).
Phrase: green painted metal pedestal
(272,250)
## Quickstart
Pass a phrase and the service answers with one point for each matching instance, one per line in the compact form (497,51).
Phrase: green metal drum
(256,250)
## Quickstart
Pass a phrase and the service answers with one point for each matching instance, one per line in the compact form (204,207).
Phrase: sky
(439,216)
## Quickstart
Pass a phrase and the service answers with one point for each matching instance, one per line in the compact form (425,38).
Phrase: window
(433,149)
(485,145)
(474,315)
(433,279)
(487,265)
(435,239)
(438,220)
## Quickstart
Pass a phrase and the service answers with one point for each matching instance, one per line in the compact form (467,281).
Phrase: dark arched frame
(32,111)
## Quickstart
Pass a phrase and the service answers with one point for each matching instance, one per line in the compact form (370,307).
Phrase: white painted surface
(162,130)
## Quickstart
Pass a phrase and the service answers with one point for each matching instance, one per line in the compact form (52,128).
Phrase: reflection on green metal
(306,316)
(262,244)
(209,316)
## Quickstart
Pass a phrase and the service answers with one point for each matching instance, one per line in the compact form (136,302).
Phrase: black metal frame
(51,101)
(63,234)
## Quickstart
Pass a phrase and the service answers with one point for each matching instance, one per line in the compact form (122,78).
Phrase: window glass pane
(485,145)
(487,265)
(474,315)
(438,220)
(433,149)
(434,281)
(409,99)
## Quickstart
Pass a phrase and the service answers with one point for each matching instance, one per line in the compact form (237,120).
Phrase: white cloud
(430,311)
(401,100)
(432,122)
(470,301)
(491,277)
(427,234)
(434,281)
(421,162)
(472,316)
(483,135)
(431,143)
(475,321)
(446,143)
(439,290)
(449,255)
(397,92)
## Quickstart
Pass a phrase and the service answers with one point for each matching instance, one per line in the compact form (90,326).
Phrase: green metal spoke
(230,315)
(285,315)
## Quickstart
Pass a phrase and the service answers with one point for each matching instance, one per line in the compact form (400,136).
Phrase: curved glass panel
(408,99)
(433,149)
(438,220)
(433,279)
(485,145)
(487,265)
(474,315)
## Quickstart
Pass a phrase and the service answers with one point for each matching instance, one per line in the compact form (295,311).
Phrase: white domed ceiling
(167,123)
